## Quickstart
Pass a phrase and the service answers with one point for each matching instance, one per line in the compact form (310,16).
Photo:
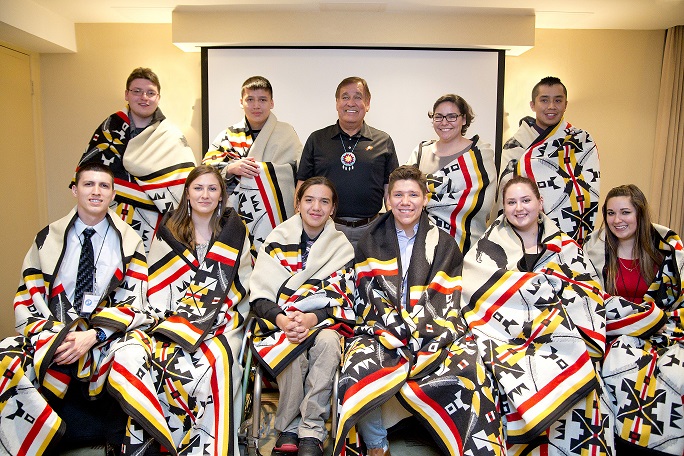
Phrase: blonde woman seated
(535,309)
(302,291)
(643,264)
(461,172)
(199,269)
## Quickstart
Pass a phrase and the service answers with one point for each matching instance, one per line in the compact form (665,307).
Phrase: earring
(219,208)
(540,218)
(189,210)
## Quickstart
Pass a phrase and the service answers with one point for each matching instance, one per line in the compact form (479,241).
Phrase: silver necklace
(625,266)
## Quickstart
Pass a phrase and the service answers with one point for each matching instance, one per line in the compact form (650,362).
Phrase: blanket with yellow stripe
(644,362)
(462,193)
(327,282)
(266,200)
(564,162)
(541,333)
(44,316)
(423,353)
(149,169)
(201,309)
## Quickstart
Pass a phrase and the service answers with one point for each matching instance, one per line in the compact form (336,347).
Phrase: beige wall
(23,197)
(613,79)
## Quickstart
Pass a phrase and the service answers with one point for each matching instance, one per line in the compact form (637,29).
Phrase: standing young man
(79,310)
(357,158)
(258,156)
(148,155)
(562,159)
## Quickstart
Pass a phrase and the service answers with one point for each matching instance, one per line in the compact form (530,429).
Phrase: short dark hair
(353,80)
(257,83)
(93,166)
(408,172)
(318,180)
(548,81)
(518,179)
(143,73)
(462,106)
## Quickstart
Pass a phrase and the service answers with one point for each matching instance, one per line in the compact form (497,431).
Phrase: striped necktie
(86,268)
(307,249)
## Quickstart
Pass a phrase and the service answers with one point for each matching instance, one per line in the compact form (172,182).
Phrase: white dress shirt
(107,252)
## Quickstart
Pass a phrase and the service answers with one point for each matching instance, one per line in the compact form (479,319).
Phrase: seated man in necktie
(79,313)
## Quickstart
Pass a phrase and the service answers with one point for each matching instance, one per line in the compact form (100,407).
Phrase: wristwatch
(100,335)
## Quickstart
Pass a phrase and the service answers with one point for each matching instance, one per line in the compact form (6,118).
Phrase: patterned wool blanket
(540,333)
(327,282)
(44,316)
(462,193)
(149,170)
(422,353)
(564,163)
(266,200)
(201,308)
(644,362)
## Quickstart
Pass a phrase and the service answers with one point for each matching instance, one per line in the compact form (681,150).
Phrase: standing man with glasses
(149,156)
(78,365)
(357,158)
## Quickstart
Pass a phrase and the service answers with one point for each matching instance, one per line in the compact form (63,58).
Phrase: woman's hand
(245,167)
(296,325)
(75,345)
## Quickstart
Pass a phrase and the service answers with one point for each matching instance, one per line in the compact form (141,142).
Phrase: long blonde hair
(644,247)
(180,222)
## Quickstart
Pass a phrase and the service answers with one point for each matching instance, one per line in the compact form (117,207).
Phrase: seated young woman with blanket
(642,263)
(302,290)
(536,311)
(411,341)
(200,265)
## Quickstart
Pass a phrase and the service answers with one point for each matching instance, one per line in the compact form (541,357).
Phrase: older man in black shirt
(357,158)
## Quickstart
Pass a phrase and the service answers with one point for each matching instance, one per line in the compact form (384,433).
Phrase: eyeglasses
(139,93)
(452,117)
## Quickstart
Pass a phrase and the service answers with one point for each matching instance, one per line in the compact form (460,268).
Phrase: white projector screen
(404,83)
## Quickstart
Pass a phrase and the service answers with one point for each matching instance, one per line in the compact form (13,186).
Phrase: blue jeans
(371,429)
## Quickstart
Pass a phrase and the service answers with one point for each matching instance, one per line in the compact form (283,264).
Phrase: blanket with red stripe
(327,282)
(462,193)
(564,162)
(44,316)
(644,362)
(540,332)
(201,309)
(149,169)
(267,199)
(423,353)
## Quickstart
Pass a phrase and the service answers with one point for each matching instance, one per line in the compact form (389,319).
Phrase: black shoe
(310,446)
(288,442)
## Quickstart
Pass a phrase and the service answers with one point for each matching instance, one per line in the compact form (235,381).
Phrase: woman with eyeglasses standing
(461,172)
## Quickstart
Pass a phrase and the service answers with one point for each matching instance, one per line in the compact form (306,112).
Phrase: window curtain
(667,193)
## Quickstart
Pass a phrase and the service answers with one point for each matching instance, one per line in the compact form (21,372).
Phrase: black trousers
(88,422)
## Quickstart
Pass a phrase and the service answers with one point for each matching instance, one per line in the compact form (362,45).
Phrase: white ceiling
(569,14)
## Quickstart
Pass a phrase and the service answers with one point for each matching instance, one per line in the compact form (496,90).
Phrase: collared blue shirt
(405,251)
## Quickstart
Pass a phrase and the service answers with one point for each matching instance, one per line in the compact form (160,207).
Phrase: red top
(629,282)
